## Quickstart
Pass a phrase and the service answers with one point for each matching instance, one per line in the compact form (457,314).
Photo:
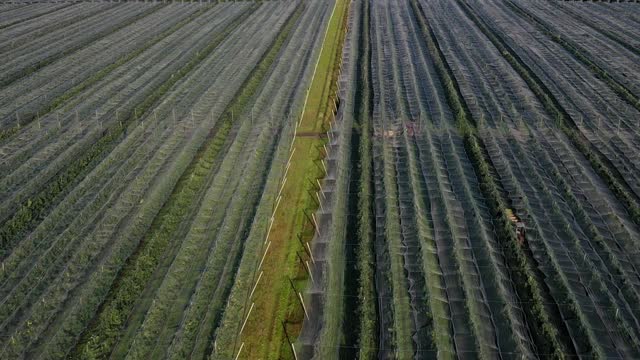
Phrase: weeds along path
(258,331)
(327,254)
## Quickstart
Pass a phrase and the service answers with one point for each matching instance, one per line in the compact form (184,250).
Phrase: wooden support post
(293,349)
(291,156)
(313,186)
(256,284)
(315,223)
(309,269)
(239,351)
(264,255)
(302,242)
(282,187)
(286,170)
(268,231)
(310,253)
(276,207)
(247,318)
(306,313)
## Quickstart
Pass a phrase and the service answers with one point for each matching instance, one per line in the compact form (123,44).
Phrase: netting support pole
(299,237)
(264,255)
(239,351)
(305,264)
(315,223)
(247,318)
(311,254)
(320,188)
(256,285)
(303,307)
(286,334)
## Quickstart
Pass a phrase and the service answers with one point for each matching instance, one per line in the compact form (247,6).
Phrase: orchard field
(142,144)
(490,184)
(326,179)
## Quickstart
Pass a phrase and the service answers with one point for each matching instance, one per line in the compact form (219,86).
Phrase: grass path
(275,301)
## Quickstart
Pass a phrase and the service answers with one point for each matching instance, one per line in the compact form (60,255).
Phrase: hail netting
(91,117)
(31,94)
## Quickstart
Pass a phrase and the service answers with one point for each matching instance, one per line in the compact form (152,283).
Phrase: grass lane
(275,301)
